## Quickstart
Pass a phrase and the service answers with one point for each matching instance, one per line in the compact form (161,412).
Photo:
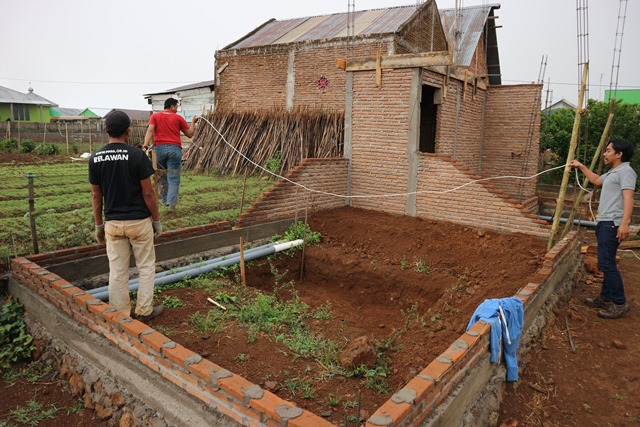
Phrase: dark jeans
(612,287)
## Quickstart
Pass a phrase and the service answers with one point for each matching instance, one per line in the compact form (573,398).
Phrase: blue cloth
(514,313)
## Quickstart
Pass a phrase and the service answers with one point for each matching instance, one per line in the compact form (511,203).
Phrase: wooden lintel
(341,63)
(427,59)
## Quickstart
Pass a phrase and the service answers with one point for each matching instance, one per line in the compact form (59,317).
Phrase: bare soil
(366,268)
(598,384)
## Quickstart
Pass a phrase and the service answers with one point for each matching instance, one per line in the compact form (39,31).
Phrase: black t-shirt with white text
(118,169)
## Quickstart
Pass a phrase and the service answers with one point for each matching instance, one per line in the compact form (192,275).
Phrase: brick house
(425,111)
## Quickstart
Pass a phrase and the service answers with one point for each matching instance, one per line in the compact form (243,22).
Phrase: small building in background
(563,104)
(195,99)
(24,107)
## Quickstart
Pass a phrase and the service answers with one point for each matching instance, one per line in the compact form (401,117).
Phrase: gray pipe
(575,221)
(259,252)
(187,267)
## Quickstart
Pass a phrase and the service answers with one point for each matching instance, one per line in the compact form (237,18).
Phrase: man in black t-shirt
(121,186)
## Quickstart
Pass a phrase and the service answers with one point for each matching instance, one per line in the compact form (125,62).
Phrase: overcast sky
(83,53)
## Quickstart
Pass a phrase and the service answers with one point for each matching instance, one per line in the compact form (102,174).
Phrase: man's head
(116,123)
(618,151)
(170,102)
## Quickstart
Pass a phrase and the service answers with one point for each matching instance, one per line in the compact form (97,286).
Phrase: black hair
(170,102)
(116,123)
(623,146)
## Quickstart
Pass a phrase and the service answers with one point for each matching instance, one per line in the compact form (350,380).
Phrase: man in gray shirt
(614,217)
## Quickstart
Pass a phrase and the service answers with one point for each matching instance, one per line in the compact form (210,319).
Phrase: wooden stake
(215,303)
(295,220)
(304,238)
(570,156)
(243,277)
(66,133)
(244,188)
(32,217)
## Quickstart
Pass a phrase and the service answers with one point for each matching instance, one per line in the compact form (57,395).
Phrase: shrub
(15,343)
(8,145)
(47,149)
(27,146)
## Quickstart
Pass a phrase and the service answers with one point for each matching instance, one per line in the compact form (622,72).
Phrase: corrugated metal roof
(470,24)
(207,83)
(65,112)
(10,96)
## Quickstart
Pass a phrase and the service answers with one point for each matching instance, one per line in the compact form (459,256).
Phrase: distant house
(563,104)
(630,96)
(24,107)
(195,98)
(133,114)
(67,114)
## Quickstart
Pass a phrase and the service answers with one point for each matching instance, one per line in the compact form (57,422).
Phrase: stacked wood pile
(263,136)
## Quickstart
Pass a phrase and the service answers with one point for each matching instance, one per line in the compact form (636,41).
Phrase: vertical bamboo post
(66,134)
(594,161)
(244,189)
(90,142)
(295,219)
(19,135)
(570,156)
(304,238)
(243,277)
(32,217)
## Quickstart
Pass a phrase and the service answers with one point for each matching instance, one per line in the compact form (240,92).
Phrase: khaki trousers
(125,237)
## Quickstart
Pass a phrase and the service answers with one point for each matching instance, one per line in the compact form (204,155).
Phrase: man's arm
(150,198)
(96,203)
(151,131)
(593,178)
(627,209)
(192,128)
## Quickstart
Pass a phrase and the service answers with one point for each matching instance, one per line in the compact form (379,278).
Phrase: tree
(556,128)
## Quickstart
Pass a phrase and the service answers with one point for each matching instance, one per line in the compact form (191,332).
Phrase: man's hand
(100,234)
(157,228)
(575,164)
(623,232)
(195,119)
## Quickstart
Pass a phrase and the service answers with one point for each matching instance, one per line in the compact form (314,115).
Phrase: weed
(241,357)
(252,337)
(349,404)
(422,266)
(297,231)
(164,330)
(15,343)
(412,316)
(333,400)
(76,408)
(33,413)
(33,373)
(212,321)
(172,302)
(404,264)
(324,311)
(435,318)
(274,164)
(617,396)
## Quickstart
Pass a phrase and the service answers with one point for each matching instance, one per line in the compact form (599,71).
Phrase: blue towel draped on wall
(489,311)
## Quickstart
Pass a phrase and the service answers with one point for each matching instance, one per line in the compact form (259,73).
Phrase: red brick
(234,385)
(155,340)
(204,369)
(307,419)
(177,355)
(267,405)
(134,328)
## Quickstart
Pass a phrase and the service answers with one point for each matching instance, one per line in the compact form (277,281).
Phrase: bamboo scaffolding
(259,135)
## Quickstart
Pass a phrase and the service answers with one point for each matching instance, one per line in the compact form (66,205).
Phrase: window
(431,97)
(21,112)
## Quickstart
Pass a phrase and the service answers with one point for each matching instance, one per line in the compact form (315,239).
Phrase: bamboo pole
(32,216)
(243,277)
(570,156)
(66,134)
(594,161)
(304,238)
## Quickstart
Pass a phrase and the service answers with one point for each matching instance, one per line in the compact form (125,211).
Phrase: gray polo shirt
(613,182)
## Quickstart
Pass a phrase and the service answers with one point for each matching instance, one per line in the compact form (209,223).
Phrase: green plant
(34,413)
(172,302)
(324,311)
(47,149)
(241,357)
(33,372)
(435,318)
(274,164)
(333,400)
(8,145)
(213,321)
(404,264)
(76,408)
(422,266)
(27,146)
(297,231)
(15,343)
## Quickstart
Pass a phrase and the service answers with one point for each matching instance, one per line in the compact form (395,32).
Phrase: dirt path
(599,383)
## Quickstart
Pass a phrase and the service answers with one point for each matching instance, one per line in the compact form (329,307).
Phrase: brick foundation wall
(478,205)
(512,122)
(245,403)
(284,198)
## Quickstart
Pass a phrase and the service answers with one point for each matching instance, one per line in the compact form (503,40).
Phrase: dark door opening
(428,116)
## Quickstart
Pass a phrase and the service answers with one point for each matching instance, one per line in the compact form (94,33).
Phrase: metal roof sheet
(10,96)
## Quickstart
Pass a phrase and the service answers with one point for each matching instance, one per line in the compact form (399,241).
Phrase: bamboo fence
(260,135)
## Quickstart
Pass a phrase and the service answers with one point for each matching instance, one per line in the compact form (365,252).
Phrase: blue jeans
(612,287)
(169,158)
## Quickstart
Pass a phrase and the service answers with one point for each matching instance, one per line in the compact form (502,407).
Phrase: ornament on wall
(323,84)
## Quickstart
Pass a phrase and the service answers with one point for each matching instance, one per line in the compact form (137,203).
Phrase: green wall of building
(629,96)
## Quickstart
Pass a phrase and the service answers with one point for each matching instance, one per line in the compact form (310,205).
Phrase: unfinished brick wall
(286,200)
(459,120)
(265,86)
(425,33)
(380,135)
(512,137)
(479,205)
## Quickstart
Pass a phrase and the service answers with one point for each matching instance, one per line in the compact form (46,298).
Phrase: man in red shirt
(164,128)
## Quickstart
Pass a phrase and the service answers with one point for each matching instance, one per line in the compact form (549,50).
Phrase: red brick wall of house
(424,33)
(380,133)
(459,120)
(512,137)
